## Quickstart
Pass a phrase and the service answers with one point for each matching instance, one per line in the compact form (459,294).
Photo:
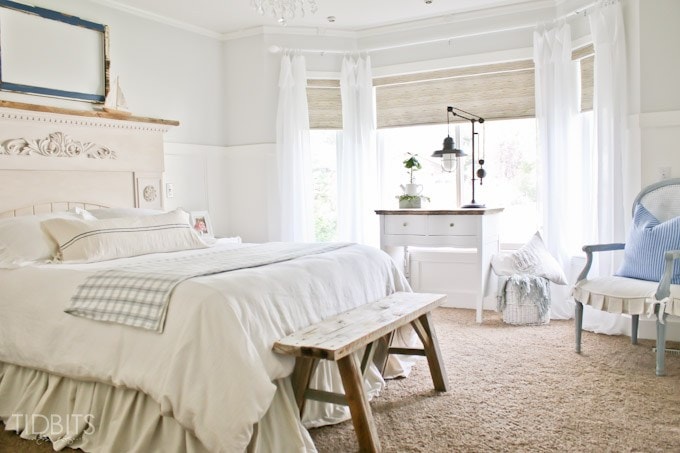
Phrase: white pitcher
(412,189)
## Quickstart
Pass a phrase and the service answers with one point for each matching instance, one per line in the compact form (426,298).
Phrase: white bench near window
(369,325)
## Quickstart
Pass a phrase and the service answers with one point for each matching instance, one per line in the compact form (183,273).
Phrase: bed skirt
(97,417)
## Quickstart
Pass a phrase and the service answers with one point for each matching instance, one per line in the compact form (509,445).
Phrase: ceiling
(226,16)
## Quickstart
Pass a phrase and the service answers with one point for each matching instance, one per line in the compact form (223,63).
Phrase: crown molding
(529,6)
(468,16)
(158,18)
(293,31)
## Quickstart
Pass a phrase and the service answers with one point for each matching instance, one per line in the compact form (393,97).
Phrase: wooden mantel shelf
(85,113)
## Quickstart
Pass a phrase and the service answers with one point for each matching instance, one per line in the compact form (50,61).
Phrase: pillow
(115,213)
(647,244)
(533,259)
(23,242)
(86,241)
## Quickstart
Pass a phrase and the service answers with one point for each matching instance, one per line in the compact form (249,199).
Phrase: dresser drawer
(405,224)
(452,225)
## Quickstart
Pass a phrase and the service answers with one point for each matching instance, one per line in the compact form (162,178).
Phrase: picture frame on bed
(200,220)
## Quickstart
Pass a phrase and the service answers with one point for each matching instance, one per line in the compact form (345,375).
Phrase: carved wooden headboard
(50,154)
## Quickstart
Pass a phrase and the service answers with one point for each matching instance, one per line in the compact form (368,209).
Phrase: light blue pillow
(649,240)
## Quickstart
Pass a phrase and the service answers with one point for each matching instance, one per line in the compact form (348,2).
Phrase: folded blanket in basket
(532,289)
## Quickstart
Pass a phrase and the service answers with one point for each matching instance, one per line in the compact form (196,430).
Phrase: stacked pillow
(87,241)
(78,236)
(23,242)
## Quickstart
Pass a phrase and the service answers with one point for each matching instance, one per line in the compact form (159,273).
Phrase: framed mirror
(48,53)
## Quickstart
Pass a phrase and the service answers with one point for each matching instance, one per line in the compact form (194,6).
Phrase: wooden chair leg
(635,322)
(302,375)
(660,343)
(425,330)
(578,324)
(362,417)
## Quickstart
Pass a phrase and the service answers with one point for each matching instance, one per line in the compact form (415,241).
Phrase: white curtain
(610,111)
(357,181)
(557,94)
(610,161)
(293,151)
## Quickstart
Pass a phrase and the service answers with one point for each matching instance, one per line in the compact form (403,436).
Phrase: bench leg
(302,375)
(425,330)
(382,352)
(362,418)
(369,353)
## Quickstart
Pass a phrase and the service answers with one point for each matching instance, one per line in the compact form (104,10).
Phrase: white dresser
(460,228)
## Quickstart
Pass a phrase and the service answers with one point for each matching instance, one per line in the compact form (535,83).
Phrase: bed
(209,381)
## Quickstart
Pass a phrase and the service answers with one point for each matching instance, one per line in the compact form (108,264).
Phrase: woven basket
(525,314)
(519,311)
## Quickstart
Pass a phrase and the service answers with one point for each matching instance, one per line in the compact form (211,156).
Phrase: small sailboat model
(115,100)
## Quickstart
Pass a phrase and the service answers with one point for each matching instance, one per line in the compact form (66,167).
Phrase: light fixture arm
(473,119)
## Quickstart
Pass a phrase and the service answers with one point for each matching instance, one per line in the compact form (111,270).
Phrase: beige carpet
(522,388)
(516,388)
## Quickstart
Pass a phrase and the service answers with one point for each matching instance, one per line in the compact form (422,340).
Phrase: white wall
(234,184)
(659,95)
(165,72)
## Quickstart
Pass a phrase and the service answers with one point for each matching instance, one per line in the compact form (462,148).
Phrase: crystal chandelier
(285,10)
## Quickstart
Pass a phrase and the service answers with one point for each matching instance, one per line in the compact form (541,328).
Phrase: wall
(659,97)
(165,72)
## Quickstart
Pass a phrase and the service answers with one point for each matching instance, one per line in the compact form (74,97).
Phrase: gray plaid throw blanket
(138,295)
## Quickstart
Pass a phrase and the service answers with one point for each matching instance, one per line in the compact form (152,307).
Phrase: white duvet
(212,368)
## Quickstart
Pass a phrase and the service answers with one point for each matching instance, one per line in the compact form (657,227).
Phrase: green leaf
(412,163)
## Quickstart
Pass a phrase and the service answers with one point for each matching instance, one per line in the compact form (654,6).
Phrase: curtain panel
(557,94)
(357,167)
(293,151)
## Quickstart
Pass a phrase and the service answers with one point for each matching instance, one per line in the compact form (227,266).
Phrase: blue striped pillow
(646,246)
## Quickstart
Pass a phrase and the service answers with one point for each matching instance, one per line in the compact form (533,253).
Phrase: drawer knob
(405,224)
(451,224)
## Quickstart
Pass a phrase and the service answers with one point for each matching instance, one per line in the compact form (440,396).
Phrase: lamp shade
(448,148)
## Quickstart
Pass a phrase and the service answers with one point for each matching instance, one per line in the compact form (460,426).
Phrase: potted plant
(411,198)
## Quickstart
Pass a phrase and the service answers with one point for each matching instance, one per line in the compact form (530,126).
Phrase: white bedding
(212,369)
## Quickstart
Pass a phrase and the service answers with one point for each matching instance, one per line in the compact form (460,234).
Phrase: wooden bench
(371,325)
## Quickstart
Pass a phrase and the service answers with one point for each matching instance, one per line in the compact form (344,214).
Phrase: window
(509,150)
(395,144)
(324,152)
(507,142)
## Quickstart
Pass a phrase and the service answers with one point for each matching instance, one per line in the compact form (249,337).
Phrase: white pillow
(533,259)
(23,242)
(86,241)
(115,213)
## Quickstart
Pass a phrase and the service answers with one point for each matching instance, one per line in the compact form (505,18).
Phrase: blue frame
(71,20)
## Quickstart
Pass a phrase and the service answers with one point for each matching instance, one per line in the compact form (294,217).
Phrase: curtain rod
(584,11)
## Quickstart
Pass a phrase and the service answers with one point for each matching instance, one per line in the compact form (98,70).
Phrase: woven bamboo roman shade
(325,105)
(494,91)
(504,90)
